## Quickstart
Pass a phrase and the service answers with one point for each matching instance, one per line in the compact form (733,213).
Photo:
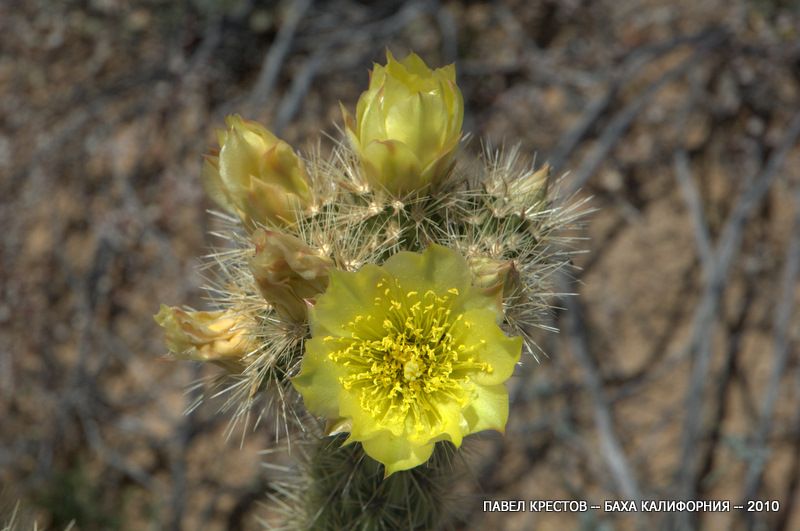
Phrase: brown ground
(107,106)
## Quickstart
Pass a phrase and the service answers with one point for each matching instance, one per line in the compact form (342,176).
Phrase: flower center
(411,370)
(407,366)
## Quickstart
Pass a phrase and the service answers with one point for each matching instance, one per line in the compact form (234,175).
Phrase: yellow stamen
(411,363)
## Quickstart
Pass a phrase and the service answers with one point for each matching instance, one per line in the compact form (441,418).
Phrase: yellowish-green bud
(519,194)
(256,176)
(407,125)
(221,337)
(496,277)
(288,272)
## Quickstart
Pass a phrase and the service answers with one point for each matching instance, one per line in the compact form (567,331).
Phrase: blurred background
(675,374)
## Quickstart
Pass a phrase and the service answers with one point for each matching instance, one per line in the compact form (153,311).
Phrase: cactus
(388,288)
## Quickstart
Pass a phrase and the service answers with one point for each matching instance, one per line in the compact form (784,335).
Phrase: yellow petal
(350,129)
(318,381)
(450,428)
(437,268)
(396,454)
(372,124)
(270,204)
(348,296)
(237,162)
(390,165)
(489,410)
(365,426)
(368,114)
(419,121)
(415,65)
(376,76)
(212,182)
(477,329)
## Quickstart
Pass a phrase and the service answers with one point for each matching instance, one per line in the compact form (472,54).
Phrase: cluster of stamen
(408,363)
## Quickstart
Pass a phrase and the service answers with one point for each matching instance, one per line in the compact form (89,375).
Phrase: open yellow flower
(407,125)
(408,354)
(255,175)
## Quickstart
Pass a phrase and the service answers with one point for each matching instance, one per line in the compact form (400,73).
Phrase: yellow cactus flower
(221,337)
(407,354)
(288,272)
(255,175)
(407,125)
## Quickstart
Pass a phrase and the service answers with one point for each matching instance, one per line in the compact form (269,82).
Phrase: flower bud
(407,125)
(220,337)
(288,272)
(256,175)
(519,194)
(494,276)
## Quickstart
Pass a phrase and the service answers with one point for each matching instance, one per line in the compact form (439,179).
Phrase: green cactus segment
(346,490)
